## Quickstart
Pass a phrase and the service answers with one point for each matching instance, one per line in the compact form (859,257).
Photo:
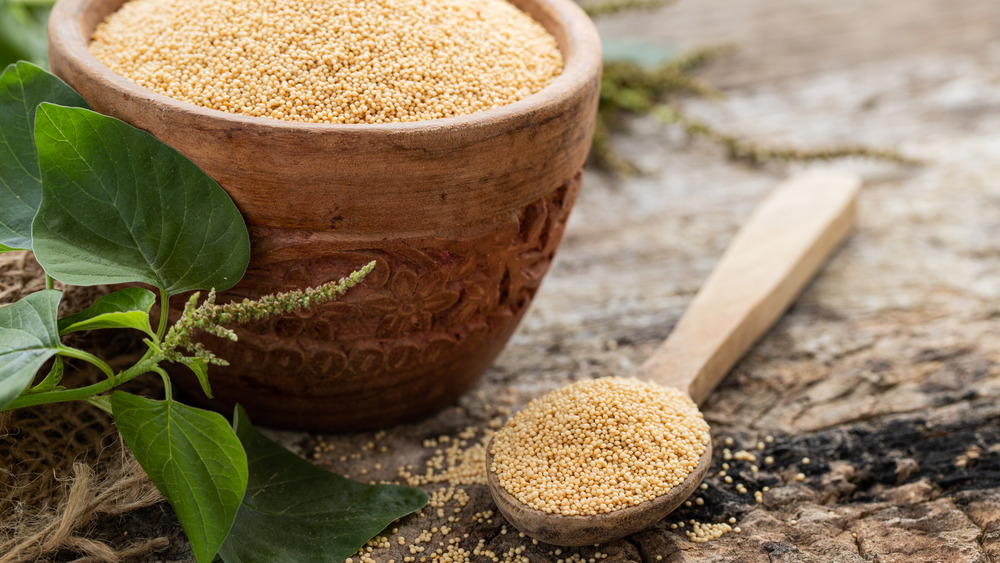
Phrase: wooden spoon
(770,260)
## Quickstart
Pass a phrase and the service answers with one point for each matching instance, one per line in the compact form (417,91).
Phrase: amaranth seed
(331,61)
(598,446)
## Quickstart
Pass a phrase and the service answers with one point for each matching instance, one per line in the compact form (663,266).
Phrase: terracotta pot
(463,216)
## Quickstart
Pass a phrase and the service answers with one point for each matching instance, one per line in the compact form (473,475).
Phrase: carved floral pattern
(431,304)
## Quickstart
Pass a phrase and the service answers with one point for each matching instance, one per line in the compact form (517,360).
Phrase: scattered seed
(701,533)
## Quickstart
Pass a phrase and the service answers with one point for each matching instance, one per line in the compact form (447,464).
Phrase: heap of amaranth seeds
(331,61)
(598,446)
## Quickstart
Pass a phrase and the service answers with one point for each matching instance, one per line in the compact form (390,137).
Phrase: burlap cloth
(63,466)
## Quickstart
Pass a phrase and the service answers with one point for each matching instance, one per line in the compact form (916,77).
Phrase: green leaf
(125,308)
(118,205)
(102,402)
(52,379)
(295,511)
(22,87)
(22,31)
(200,368)
(4,248)
(193,457)
(28,338)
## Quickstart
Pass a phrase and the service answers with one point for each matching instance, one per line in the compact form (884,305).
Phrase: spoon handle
(772,257)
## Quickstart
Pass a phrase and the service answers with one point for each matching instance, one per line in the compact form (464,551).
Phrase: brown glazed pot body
(463,216)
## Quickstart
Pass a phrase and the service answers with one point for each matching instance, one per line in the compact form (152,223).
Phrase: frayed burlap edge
(85,496)
(63,466)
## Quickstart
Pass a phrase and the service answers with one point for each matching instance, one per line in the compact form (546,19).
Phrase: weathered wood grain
(884,373)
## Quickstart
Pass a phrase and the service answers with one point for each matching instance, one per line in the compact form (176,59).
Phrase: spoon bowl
(559,529)
(771,259)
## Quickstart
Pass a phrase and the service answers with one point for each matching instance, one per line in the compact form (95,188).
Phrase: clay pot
(463,216)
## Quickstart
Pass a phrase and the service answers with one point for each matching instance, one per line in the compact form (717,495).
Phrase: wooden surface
(884,374)
(777,251)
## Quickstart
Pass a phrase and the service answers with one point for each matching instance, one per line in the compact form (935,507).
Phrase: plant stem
(49,282)
(34,3)
(168,390)
(82,393)
(89,358)
(164,313)
(614,6)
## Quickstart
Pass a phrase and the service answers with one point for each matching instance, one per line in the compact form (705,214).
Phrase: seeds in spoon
(598,446)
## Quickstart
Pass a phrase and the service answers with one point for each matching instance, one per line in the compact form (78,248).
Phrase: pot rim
(576,36)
